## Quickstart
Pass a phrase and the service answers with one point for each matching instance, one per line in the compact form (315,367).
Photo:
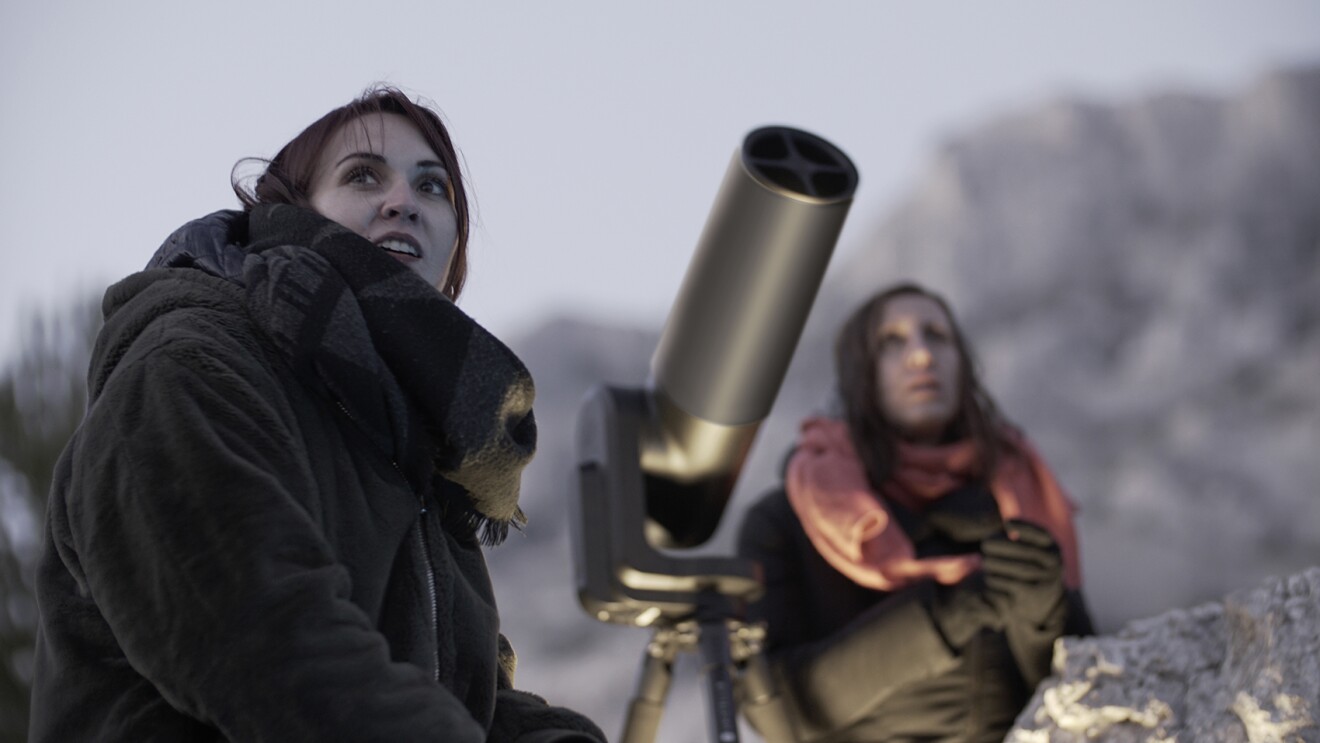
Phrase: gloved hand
(960,611)
(1024,577)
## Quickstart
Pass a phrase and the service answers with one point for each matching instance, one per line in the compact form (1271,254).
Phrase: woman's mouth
(924,387)
(400,246)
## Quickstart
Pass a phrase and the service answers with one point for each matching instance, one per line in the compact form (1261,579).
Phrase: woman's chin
(926,430)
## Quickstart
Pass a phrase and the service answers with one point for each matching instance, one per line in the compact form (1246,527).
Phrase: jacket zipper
(430,589)
(424,543)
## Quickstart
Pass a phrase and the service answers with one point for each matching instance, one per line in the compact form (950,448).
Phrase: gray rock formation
(1246,670)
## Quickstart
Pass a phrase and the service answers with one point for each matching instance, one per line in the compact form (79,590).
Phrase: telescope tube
(740,312)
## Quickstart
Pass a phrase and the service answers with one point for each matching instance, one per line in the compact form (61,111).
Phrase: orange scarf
(854,530)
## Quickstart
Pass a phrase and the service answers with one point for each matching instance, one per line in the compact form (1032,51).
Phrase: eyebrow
(896,325)
(380,159)
(360,155)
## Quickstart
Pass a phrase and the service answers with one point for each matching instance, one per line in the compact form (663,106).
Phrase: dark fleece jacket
(230,556)
(856,664)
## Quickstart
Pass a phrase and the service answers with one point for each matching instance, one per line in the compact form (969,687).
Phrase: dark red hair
(289,175)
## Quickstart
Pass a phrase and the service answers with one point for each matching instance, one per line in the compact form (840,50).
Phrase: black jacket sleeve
(832,681)
(186,520)
(522,717)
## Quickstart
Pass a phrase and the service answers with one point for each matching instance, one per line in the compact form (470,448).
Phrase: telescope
(657,464)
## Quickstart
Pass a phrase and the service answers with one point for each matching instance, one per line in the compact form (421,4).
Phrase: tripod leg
(715,663)
(761,704)
(652,687)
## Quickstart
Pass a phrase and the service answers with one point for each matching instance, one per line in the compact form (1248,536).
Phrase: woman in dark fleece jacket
(920,559)
(269,526)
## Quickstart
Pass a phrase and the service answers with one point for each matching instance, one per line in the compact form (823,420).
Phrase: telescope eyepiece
(799,163)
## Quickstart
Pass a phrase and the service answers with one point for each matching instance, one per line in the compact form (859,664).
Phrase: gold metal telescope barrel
(736,322)
(657,464)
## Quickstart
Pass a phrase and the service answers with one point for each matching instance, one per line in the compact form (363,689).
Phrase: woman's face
(379,178)
(917,367)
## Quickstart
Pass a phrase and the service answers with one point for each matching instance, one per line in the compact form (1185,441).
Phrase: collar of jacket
(429,386)
(213,243)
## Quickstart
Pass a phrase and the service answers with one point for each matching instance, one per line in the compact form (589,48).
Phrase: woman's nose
(400,202)
(918,357)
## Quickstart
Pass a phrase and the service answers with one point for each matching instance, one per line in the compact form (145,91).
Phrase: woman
(269,525)
(920,559)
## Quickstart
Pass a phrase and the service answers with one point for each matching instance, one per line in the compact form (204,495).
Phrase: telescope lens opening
(784,177)
(830,184)
(812,152)
(769,146)
(798,162)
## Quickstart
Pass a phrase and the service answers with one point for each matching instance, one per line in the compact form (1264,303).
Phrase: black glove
(1024,577)
(960,611)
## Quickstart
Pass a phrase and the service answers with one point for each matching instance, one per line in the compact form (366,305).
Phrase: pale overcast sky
(595,133)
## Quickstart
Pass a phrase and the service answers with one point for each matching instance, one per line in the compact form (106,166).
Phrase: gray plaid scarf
(429,386)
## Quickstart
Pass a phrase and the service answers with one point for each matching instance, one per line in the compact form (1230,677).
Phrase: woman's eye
(361,175)
(435,187)
(937,335)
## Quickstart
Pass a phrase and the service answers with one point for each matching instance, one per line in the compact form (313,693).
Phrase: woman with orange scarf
(920,559)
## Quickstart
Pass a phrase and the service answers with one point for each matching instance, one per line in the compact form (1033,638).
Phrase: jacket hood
(197,268)
(213,243)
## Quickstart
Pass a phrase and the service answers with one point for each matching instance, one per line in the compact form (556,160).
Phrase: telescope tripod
(736,674)
(657,465)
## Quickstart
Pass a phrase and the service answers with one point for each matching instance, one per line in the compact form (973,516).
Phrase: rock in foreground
(1246,669)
